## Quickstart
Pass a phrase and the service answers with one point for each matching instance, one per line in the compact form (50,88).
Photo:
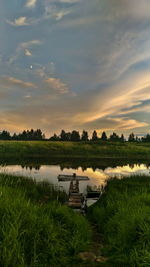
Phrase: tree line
(74,136)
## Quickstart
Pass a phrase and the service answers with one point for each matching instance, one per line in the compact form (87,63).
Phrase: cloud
(11,81)
(141,107)
(54,12)
(21,21)
(23,47)
(131,9)
(29,44)
(58,15)
(128,124)
(69,1)
(117,124)
(57,85)
(27,96)
(104,57)
(27,53)
(50,11)
(109,110)
(31,3)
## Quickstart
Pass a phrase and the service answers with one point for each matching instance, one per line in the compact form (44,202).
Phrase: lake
(98,175)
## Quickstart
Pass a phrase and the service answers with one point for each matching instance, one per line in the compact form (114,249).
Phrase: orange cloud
(8,81)
(57,85)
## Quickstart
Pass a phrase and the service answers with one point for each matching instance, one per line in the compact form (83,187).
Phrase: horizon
(58,134)
(75,64)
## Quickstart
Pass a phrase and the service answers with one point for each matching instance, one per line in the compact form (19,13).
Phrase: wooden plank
(76,200)
(74,187)
(75,205)
(75,197)
(65,178)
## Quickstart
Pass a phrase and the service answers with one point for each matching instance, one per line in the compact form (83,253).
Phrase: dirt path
(94,257)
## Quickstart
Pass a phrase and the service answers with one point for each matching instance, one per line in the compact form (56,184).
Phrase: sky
(75,64)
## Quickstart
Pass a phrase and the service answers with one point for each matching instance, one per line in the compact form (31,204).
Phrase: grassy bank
(122,216)
(46,150)
(35,228)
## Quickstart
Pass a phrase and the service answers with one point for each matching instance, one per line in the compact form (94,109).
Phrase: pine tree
(94,136)
(84,136)
(122,139)
(55,137)
(131,137)
(75,136)
(114,137)
(104,136)
(63,135)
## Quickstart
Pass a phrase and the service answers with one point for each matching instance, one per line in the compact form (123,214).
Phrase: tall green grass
(38,192)
(47,149)
(122,215)
(35,232)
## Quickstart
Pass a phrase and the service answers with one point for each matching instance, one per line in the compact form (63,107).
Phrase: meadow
(122,216)
(85,150)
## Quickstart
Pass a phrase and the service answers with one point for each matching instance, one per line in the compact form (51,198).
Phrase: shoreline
(84,151)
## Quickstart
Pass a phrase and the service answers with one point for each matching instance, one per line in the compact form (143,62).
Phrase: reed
(35,232)
(122,215)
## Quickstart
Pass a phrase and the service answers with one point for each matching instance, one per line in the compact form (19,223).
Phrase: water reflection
(98,175)
(30,167)
(62,168)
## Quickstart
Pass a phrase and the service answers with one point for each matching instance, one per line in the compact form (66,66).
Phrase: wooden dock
(76,199)
(66,178)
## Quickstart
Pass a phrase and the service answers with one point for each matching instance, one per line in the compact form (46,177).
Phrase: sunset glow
(75,64)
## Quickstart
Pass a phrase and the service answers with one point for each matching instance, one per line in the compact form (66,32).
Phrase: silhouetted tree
(94,136)
(114,137)
(14,137)
(75,136)
(84,136)
(131,137)
(38,135)
(63,136)
(122,139)
(104,136)
(137,139)
(146,138)
(68,136)
(4,135)
(23,135)
(55,137)
(30,135)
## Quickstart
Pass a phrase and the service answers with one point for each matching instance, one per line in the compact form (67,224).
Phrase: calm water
(98,176)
